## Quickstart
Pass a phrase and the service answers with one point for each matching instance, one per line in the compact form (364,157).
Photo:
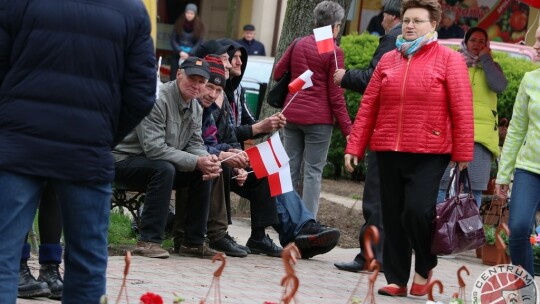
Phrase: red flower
(151,298)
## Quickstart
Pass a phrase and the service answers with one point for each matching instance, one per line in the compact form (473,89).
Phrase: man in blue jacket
(75,78)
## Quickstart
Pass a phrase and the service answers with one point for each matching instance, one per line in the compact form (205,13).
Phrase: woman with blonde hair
(417,115)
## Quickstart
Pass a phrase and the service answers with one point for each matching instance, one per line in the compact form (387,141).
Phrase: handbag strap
(292,50)
(456,174)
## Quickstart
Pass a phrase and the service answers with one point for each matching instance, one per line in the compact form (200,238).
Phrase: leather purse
(457,226)
(278,93)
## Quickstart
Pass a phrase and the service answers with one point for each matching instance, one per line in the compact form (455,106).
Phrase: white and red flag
(302,82)
(324,38)
(268,157)
(280,182)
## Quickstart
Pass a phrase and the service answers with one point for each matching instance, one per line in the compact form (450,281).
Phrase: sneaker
(150,250)
(228,246)
(313,234)
(197,251)
(264,246)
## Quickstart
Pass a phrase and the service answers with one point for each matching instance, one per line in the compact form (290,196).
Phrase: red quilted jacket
(322,102)
(417,105)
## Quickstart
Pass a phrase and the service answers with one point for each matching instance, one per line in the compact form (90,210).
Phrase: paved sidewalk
(256,279)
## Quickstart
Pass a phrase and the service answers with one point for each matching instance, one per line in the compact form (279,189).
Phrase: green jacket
(486,131)
(522,142)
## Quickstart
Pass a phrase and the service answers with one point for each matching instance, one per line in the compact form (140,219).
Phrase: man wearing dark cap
(165,152)
(248,41)
(357,80)
(294,222)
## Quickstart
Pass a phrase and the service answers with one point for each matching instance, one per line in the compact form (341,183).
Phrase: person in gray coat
(165,152)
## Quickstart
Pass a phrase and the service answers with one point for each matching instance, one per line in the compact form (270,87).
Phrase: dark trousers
(158,178)
(217,223)
(50,229)
(371,209)
(409,186)
(262,206)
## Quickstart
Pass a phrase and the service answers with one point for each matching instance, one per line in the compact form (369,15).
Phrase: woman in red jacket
(310,117)
(417,116)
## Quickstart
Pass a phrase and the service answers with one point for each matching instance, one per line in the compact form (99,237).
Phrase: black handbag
(457,226)
(278,93)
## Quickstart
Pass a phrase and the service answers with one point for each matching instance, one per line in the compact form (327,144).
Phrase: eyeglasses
(415,22)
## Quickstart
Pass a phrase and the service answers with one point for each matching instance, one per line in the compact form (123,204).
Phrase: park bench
(130,199)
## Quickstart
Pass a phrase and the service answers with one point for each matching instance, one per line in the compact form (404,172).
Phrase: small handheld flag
(302,82)
(324,38)
(268,157)
(280,182)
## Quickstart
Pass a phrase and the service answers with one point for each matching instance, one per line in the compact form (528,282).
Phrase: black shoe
(29,287)
(264,246)
(229,246)
(315,238)
(353,266)
(308,253)
(50,274)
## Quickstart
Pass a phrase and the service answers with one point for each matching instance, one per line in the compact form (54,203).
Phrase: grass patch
(121,235)
(120,232)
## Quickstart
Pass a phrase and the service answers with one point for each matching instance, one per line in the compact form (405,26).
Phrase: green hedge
(358,52)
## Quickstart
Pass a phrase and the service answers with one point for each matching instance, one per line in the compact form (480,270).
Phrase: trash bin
(252,100)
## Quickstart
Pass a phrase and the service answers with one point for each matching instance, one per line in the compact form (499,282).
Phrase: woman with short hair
(310,118)
(417,115)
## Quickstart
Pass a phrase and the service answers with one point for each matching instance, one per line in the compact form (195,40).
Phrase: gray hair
(328,13)
(450,14)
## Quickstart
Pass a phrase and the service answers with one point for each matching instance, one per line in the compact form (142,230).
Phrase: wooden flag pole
(290,101)
(335,58)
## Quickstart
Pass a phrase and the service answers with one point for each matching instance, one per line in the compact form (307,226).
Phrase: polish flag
(268,157)
(324,38)
(302,82)
(280,182)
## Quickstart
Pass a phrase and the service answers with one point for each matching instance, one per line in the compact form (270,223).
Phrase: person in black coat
(357,80)
(253,47)
(449,28)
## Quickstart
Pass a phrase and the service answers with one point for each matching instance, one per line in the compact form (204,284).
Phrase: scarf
(408,48)
(470,59)
(188,26)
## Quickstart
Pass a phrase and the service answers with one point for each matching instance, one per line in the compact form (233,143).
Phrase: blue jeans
(308,145)
(523,205)
(293,214)
(85,214)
